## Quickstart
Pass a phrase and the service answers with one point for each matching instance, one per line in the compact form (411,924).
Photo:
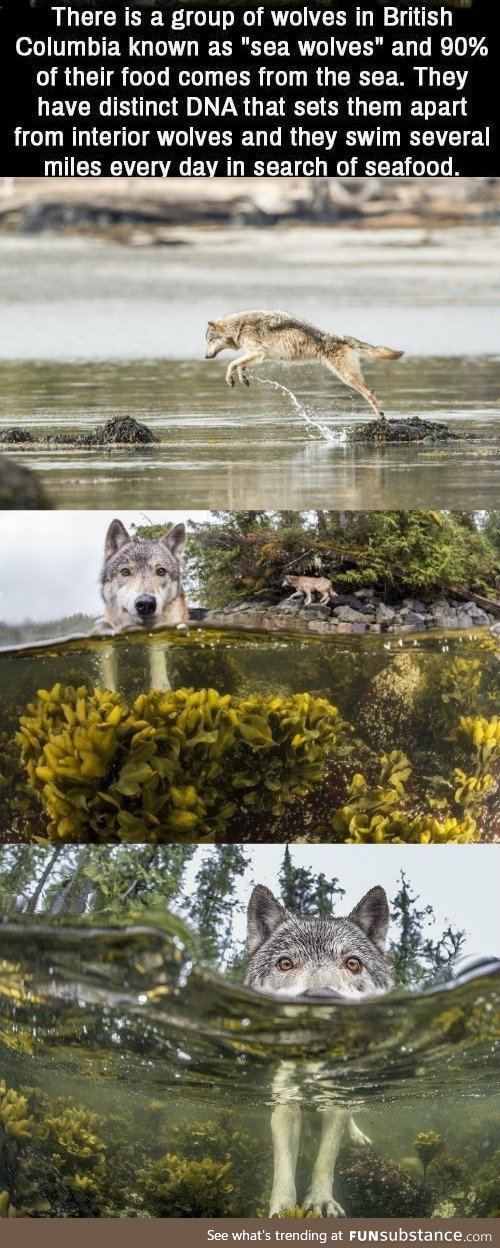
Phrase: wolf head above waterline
(297,955)
(141,578)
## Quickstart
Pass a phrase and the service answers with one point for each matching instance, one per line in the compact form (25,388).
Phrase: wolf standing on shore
(300,956)
(276,336)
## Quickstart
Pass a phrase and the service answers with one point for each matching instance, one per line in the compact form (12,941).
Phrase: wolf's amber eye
(161,571)
(125,572)
(284,964)
(353,965)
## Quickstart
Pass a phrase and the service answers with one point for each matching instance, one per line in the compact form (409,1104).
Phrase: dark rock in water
(16,435)
(412,429)
(120,431)
(125,430)
(20,489)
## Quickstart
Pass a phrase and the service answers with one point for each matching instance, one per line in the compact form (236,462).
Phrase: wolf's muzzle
(145,605)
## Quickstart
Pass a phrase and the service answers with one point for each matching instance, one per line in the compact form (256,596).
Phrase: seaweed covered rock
(368,1186)
(55,1161)
(177,763)
(297,1211)
(118,431)
(389,707)
(408,429)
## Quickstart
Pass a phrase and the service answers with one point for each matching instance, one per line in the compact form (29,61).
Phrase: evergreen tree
(302,890)
(416,957)
(213,904)
(239,555)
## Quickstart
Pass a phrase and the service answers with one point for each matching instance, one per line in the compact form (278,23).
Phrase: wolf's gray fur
(296,955)
(319,949)
(141,580)
(277,336)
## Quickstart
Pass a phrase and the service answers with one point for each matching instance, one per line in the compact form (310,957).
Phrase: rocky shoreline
(365,613)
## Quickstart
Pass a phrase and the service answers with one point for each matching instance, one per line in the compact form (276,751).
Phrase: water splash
(311,421)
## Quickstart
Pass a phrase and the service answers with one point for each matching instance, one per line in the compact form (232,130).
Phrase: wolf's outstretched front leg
(285,1127)
(320,1197)
(253,357)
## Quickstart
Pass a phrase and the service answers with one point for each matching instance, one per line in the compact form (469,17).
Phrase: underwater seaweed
(427,1145)
(174,1187)
(378,813)
(197,765)
(177,762)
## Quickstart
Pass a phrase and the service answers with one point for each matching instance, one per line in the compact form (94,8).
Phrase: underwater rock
(411,429)
(20,489)
(389,706)
(368,1186)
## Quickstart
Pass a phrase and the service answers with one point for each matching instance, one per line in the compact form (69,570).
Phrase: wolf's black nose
(145,605)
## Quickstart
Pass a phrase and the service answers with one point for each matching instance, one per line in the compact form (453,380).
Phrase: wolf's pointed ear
(116,537)
(176,540)
(263,916)
(372,915)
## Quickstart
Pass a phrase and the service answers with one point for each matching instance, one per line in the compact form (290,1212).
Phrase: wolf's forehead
(142,556)
(313,936)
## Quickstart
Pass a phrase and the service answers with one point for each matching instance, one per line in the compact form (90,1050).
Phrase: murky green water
(90,331)
(133,1083)
(239,735)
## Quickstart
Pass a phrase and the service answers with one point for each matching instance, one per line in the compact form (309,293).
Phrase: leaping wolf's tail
(384,353)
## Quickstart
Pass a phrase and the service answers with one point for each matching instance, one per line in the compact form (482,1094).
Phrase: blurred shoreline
(141,211)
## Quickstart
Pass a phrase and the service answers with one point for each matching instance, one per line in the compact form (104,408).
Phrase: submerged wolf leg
(285,1127)
(346,366)
(355,1135)
(320,1199)
(108,664)
(158,668)
(252,357)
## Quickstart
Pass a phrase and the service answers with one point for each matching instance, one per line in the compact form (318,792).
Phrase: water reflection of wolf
(295,955)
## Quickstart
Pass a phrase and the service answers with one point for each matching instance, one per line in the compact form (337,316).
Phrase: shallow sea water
(137,1065)
(70,359)
(305,713)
